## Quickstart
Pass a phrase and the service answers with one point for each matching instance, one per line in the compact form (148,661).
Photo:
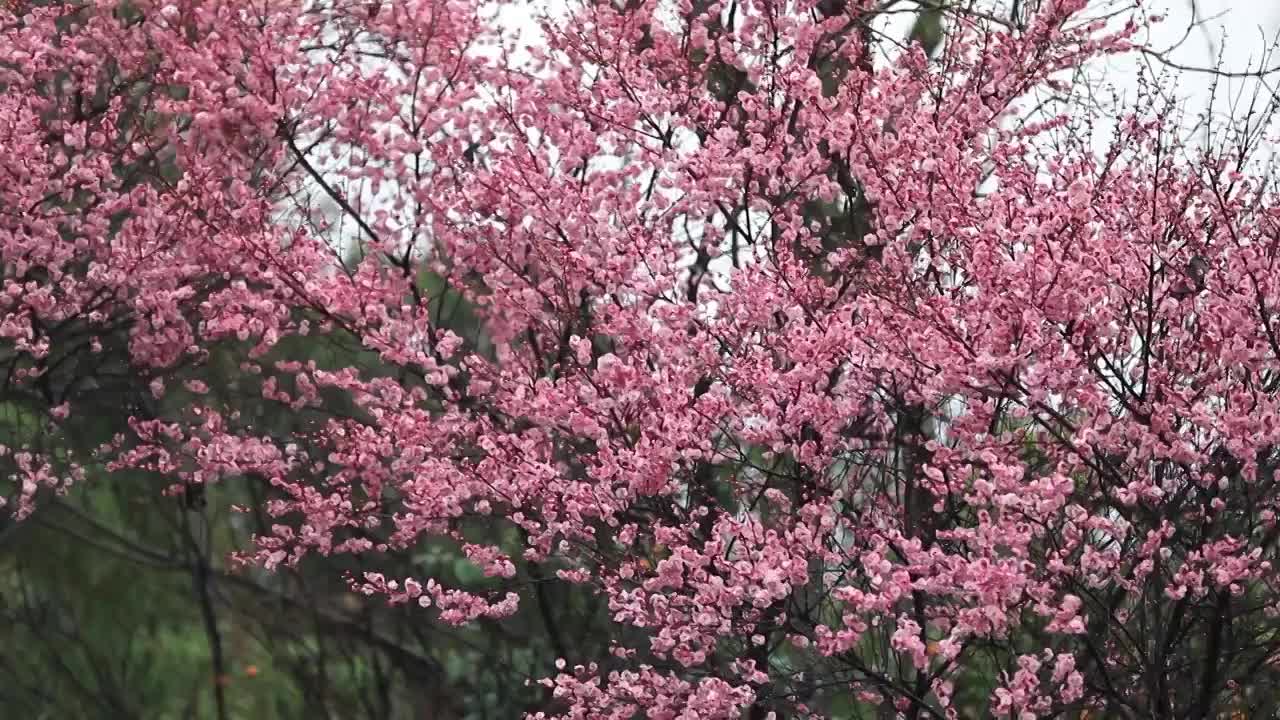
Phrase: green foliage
(928,28)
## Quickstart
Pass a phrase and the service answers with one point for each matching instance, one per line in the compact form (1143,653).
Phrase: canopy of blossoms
(827,366)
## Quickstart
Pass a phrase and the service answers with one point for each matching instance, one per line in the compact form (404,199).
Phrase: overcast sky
(1238,32)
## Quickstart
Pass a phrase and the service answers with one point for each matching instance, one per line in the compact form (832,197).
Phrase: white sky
(1236,35)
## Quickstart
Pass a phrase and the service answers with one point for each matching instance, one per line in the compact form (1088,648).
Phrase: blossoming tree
(840,377)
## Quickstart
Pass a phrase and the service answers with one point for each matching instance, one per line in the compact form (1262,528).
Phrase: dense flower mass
(832,368)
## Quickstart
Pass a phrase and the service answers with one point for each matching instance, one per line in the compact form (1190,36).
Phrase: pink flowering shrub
(839,378)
